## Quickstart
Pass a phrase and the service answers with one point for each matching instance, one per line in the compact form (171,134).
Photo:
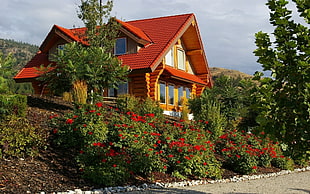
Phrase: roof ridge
(161,17)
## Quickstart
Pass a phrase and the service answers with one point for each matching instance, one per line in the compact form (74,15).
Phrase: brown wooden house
(165,55)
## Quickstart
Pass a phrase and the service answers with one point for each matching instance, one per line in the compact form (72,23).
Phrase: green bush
(207,108)
(129,103)
(13,105)
(19,139)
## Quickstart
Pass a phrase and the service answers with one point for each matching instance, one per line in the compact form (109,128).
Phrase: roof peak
(162,17)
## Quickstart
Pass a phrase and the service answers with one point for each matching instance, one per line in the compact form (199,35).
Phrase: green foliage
(129,103)
(234,97)
(206,107)
(283,163)
(93,63)
(283,101)
(14,55)
(18,138)
(13,105)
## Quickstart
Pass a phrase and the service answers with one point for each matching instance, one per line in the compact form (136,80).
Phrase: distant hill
(217,72)
(22,52)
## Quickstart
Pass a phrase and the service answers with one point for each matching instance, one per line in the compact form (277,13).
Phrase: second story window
(169,58)
(120,46)
(181,59)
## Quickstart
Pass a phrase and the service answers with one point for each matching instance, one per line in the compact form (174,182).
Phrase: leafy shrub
(129,103)
(19,139)
(13,105)
(207,108)
(283,163)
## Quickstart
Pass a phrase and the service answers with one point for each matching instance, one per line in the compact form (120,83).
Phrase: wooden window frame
(180,50)
(115,48)
(169,95)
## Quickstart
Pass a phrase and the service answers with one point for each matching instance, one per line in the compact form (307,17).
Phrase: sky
(227,27)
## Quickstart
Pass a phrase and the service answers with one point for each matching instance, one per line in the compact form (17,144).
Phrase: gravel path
(298,183)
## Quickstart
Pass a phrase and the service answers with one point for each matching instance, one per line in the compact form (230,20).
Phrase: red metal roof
(178,74)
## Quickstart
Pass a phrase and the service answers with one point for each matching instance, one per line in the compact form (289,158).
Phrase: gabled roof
(31,71)
(157,35)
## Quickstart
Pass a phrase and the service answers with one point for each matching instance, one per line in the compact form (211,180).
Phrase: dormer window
(120,46)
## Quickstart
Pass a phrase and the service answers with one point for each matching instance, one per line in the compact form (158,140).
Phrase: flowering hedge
(113,146)
(244,152)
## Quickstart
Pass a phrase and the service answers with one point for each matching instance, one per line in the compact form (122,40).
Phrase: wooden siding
(153,82)
(138,85)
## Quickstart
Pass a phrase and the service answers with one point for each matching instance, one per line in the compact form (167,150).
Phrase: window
(169,60)
(188,93)
(120,46)
(162,92)
(180,95)
(181,59)
(111,92)
(60,48)
(122,89)
(171,94)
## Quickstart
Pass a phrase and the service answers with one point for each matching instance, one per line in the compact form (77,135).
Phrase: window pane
(180,94)
(122,89)
(120,47)
(171,94)
(111,92)
(188,93)
(181,59)
(162,93)
(169,58)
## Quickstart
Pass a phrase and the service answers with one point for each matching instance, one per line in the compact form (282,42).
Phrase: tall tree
(6,72)
(93,66)
(284,99)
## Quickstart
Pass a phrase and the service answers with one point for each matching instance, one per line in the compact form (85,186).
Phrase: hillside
(22,52)
(217,72)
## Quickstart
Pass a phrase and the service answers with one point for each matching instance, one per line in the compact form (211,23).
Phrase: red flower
(55,131)
(103,160)
(90,133)
(178,161)
(120,135)
(69,121)
(254,167)
(205,163)
(170,156)
(238,156)
(81,152)
(98,113)
(114,165)
(99,104)
(165,167)
(136,135)
(84,125)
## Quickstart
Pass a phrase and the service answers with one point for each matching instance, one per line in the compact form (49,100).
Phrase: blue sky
(227,27)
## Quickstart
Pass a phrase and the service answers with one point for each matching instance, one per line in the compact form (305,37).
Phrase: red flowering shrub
(113,146)
(243,152)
